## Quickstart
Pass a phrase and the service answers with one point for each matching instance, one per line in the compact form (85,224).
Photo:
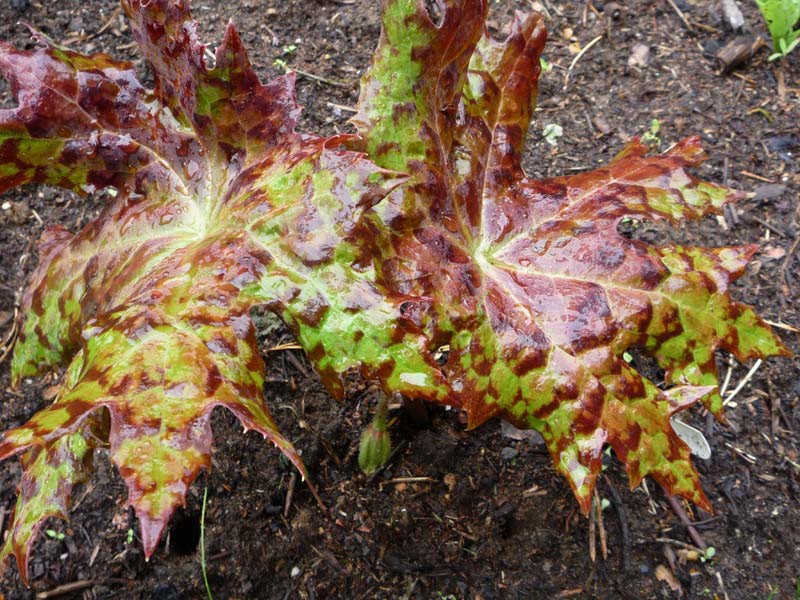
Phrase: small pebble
(644,569)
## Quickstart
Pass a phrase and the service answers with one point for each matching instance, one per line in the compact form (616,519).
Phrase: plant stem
(203,544)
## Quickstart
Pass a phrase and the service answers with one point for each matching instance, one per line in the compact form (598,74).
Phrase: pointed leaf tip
(533,289)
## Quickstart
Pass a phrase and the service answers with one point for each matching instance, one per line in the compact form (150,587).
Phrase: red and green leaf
(221,206)
(533,288)
(50,472)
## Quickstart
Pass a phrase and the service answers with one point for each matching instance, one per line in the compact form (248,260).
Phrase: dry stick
(726,382)
(772,228)
(333,82)
(297,364)
(592,536)
(743,382)
(109,23)
(622,515)
(678,510)
(77,586)
(679,544)
(681,15)
(774,408)
(286,346)
(601,526)
(2,520)
(721,585)
(786,262)
(756,177)
(783,326)
(578,57)
(11,337)
(290,493)
(671,558)
(341,107)
(407,480)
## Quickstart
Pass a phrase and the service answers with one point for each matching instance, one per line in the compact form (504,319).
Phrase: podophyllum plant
(221,206)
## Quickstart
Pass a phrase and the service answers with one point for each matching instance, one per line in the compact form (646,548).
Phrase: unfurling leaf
(535,291)
(221,206)
(375,447)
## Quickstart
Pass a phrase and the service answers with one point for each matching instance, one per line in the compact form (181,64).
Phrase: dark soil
(456,516)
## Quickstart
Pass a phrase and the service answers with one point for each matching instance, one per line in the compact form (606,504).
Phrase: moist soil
(461,514)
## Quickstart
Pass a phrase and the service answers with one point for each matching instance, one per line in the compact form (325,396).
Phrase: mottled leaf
(533,288)
(221,206)
(49,474)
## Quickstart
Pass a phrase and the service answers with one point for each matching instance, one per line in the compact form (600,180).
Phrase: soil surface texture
(461,514)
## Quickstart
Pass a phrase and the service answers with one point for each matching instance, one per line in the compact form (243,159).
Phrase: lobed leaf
(50,472)
(533,288)
(222,206)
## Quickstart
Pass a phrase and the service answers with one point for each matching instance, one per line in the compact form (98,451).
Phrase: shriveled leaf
(221,207)
(534,289)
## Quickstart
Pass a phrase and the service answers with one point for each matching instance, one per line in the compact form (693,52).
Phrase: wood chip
(738,51)
(640,55)
(664,574)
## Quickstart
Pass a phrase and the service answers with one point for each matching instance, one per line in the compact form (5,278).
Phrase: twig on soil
(679,12)
(785,266)
(2,520)
(653,510)
(592,536)
(701,523)
(622,515)
(297,364)
(93,555)
(705,27)
(89,36)
(11,337)
(290,493)
(756,177)
(203,543)
(341,107)
(333,82)
(772,228)
(578,57)
(407,480)
(783,326)
(684,518)
(680,544)
(725,382)
(721,585)
(743,382)
(669,553)
(774,410)
(600,525)
(748,457)
(286,346)
(76,586)
(569,593)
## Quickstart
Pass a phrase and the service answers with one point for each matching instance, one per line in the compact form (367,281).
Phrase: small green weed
(781,17)
(53,534)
